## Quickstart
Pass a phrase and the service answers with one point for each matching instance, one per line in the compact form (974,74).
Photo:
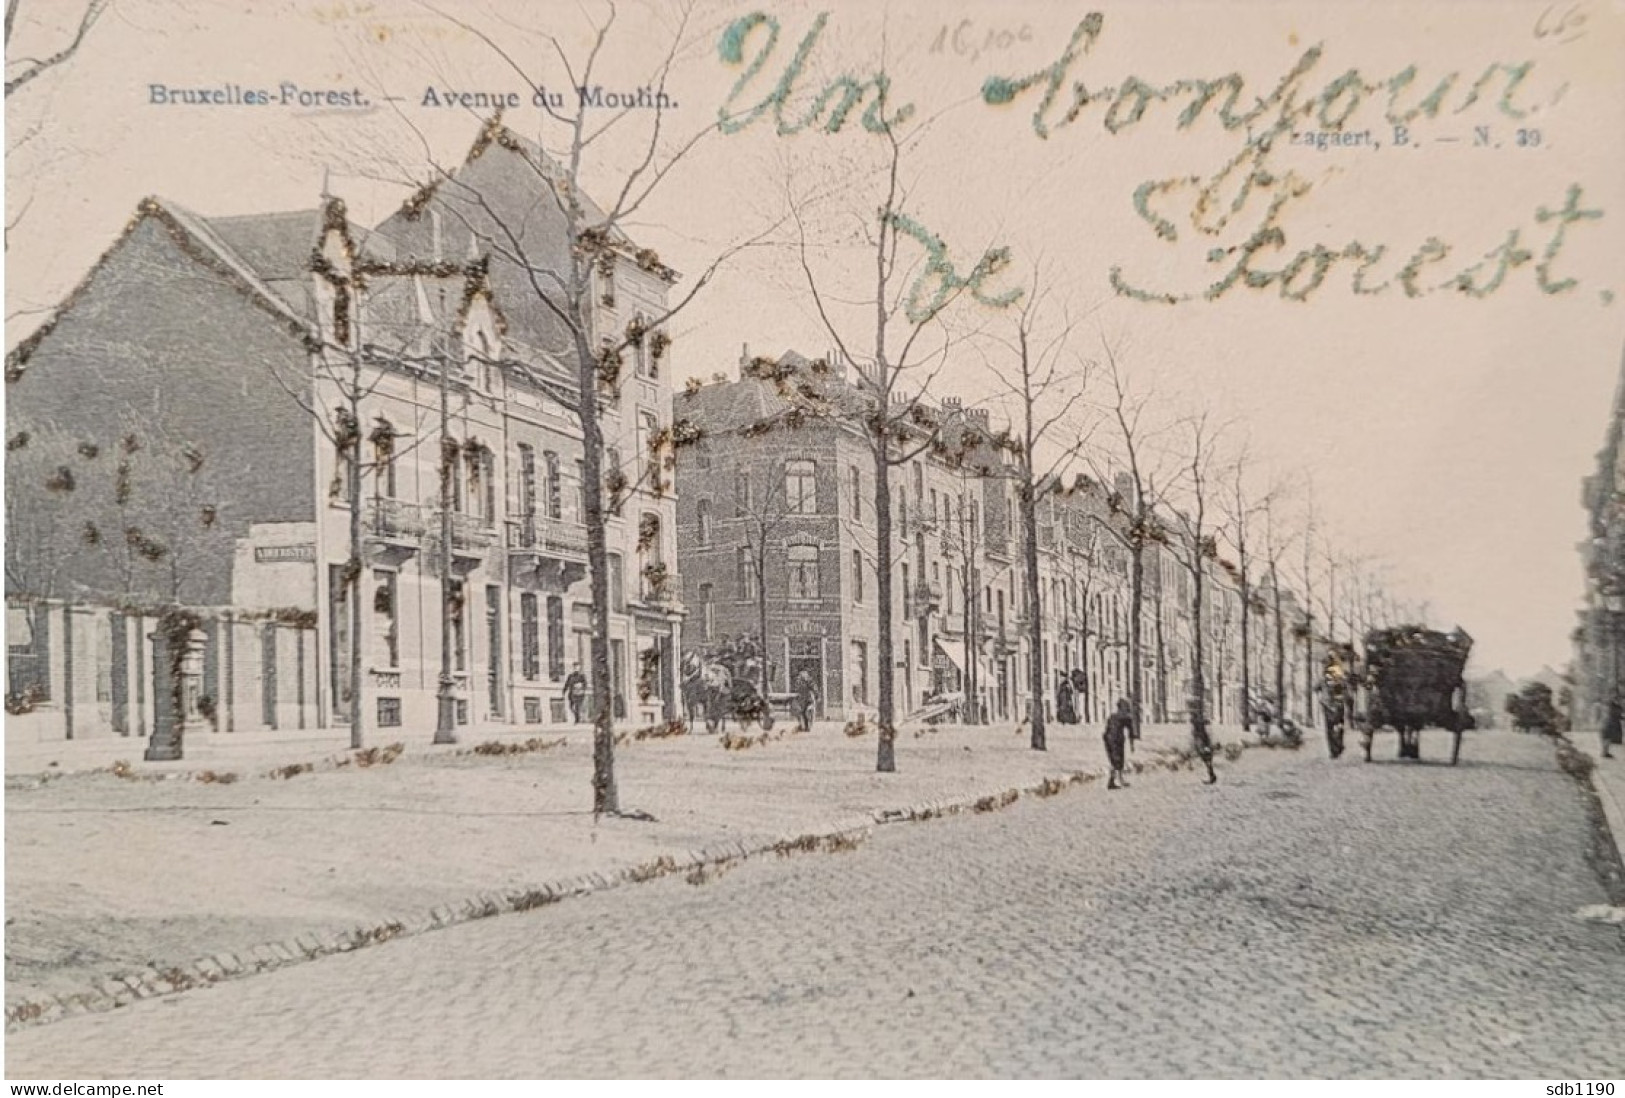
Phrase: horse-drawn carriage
(720,687)
(1413,679)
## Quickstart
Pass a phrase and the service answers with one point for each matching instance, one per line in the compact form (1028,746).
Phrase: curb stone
(105,994)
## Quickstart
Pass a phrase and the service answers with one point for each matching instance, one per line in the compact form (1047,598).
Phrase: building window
(948,591)
(527,495)
(860,673)
(800,488)
(383,458)
(459,634)
(343,464)
(708,613)
(651,573)
(803,562)
(742,495)
(857,575)
(614,480)
(617,584)
(555,490)
(857,495)
(908,596)
(746,574)
(648,365)
(386,631)
(581,491)
(648,459)
(703,511)
(530,652)
(481,483)
(389,712)
(919,488)
(555,638)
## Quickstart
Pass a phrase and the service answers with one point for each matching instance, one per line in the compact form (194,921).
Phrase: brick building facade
(794,509)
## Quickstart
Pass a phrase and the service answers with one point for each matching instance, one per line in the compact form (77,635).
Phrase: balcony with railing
(394,529)
(547,554)
(927,598)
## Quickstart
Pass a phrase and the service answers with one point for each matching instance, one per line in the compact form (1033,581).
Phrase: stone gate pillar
(177,683)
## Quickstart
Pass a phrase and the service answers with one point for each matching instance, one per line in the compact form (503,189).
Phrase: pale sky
(1445,435)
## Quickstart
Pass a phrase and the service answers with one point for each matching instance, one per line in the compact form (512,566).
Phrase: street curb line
(106,993)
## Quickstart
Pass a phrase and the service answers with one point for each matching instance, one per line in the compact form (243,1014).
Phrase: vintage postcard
(627,539)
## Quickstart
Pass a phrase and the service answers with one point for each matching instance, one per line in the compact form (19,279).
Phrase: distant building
(1599,636)
(790,513)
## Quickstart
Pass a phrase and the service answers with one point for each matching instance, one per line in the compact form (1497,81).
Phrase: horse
(693,690)
(715,693)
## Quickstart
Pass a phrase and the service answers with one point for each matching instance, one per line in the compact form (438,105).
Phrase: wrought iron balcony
(551,537)
(394,520)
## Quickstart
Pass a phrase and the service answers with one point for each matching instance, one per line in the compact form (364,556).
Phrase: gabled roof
(501,199)
(194,237)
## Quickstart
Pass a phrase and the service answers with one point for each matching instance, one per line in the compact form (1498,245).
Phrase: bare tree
(1195,548)
(902,347)
(45,470)
(764,517)
(1277,540)
(1142,529)
(1046,385)
(20,71)
(1243,511)
(140,503)
(564,250)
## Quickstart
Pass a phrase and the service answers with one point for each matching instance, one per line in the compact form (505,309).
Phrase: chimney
(1124,483)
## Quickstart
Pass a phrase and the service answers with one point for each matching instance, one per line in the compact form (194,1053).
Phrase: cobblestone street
(1302,918)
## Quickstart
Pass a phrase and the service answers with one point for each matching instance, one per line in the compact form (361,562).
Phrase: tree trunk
(1162,658)
(1246,646)
(1199,648)
(1280,647)
(1035,614)
(1135,640)
(761,612)
(354,570)
(605,797)
(1085,712)
(886,755)
(972,641)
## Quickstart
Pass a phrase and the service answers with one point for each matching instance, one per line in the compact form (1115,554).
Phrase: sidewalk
(1608,779)
(175,874)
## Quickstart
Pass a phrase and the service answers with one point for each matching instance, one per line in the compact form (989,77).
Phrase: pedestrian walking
(1612,728)
(1118,727)
(806,699)
(575,692)
(1065,713)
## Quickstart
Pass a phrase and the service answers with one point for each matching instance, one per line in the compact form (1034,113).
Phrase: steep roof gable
(194,238)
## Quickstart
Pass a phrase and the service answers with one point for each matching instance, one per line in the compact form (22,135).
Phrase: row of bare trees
(921,308)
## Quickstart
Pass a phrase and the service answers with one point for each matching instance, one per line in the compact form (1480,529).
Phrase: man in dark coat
(1118,726)
(1080,693)
(575,692)
(806,699)
(1612,726)
(1064,712)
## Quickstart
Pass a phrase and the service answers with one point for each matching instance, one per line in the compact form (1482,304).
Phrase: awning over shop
(955,658)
